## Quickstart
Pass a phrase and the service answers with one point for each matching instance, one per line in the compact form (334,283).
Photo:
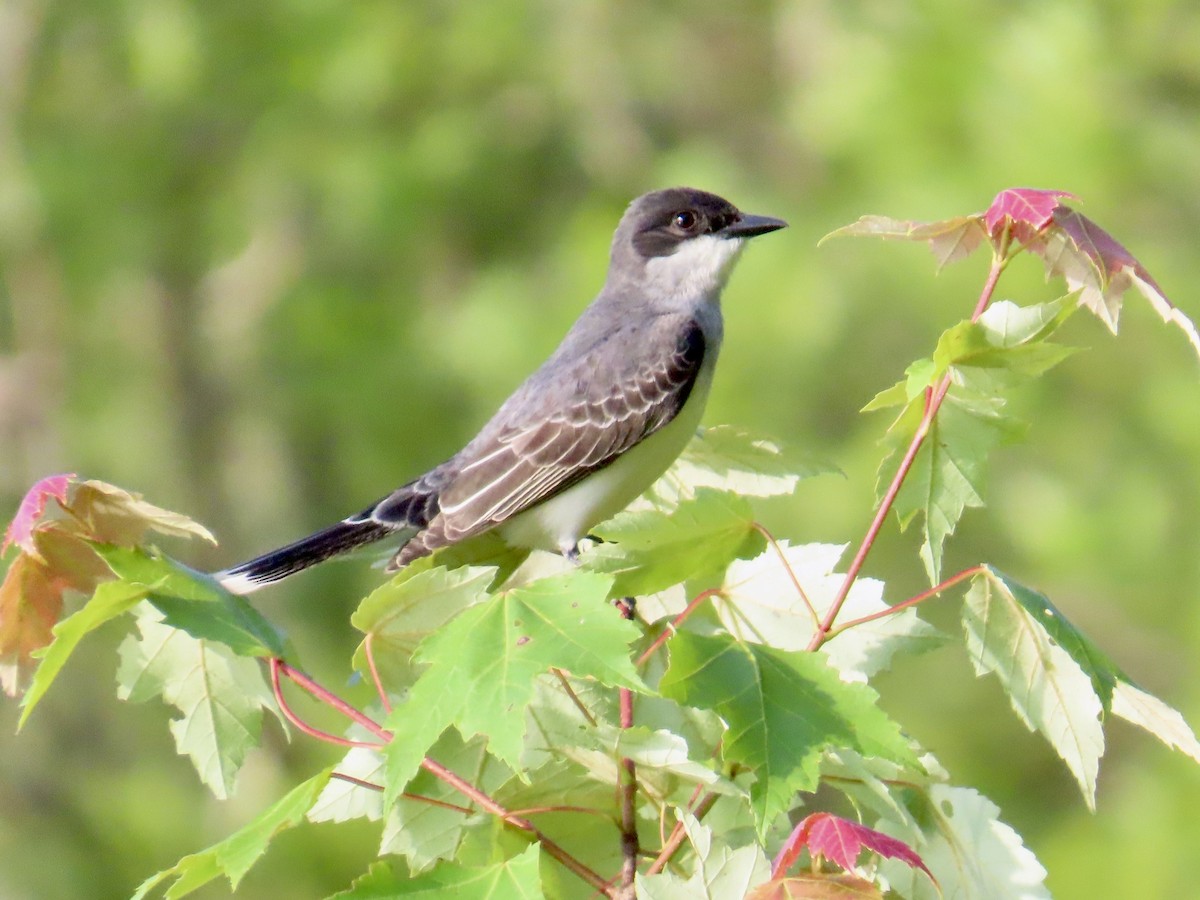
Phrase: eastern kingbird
(591,429)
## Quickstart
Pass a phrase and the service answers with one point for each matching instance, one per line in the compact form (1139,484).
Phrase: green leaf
(732,459)
(220,694)
(1116,690)
(648,550)
(234,856)
(782,710)
(484,663)
(415,603)
(514,879)
(110,600)
(718,870)
(1005,347)
(759,602)
(195,602)
(1048,689)
(948,473)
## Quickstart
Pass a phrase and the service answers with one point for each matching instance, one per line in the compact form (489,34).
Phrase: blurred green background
(263,261)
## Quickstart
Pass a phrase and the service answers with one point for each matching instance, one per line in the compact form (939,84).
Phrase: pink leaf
(1097,265)
(841,841)
(1029,210)
(20,529)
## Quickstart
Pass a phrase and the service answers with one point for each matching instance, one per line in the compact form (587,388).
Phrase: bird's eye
(685,220)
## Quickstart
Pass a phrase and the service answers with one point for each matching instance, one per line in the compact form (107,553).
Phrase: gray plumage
(595,425)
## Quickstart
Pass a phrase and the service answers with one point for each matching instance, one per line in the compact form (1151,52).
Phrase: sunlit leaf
(1148,712)
(817,886)
(1048,689)
(113,515)
(1026,211)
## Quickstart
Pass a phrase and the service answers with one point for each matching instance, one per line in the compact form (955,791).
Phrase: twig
(464,787)
(678,833)
(290,715)
(552,849)
(629,788)
(911,601)
(670,630)
(566,686)
(370,655)
(933,401)
(787,567)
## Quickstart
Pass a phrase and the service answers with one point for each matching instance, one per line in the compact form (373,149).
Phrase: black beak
(748,226)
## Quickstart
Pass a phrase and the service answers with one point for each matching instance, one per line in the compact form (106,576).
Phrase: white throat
(698,269)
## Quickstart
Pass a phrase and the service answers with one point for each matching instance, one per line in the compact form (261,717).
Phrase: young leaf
(194,602)
(719,871)
(841,842)
(782,710)
(1094,263)
(109,601)
(1004,347)
(758,602)
(949,240)
(111,515)
(518,878)
(29,513)
(234,856)
(484,663)
(1048,689)
(1026,211)
(647,551)
(220,694)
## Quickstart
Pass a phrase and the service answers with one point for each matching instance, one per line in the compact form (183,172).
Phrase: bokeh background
(263,261)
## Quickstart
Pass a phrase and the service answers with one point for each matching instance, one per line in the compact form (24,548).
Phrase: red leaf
(841,841)
(20,529)
(1029,210)
(1097,265)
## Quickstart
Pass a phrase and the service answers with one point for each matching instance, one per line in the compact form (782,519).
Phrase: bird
(594,426)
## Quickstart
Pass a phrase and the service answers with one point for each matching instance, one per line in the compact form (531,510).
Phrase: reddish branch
(279,667)
(629,787)
(933,402)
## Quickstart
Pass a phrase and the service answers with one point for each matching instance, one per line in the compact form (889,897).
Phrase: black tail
(279,564)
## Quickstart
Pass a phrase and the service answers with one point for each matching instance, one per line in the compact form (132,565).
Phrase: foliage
(527,738)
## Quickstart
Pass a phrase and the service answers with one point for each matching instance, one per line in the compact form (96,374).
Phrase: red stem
(911,601)
(666,635)
(300,724)
(933,401)
(788,568)
(370,655)
(464,787)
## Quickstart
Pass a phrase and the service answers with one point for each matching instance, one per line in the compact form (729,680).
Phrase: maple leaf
(112,515)
(841,841)
(948,239)
(1097,265)
(20,529)
(30,603)
(1026,211)
(817,886)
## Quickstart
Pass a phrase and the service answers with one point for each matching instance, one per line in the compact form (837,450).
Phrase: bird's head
(681,243)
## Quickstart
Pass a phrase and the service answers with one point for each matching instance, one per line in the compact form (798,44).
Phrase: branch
(678,620)
(911,601)
(629,788)
(933,401)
